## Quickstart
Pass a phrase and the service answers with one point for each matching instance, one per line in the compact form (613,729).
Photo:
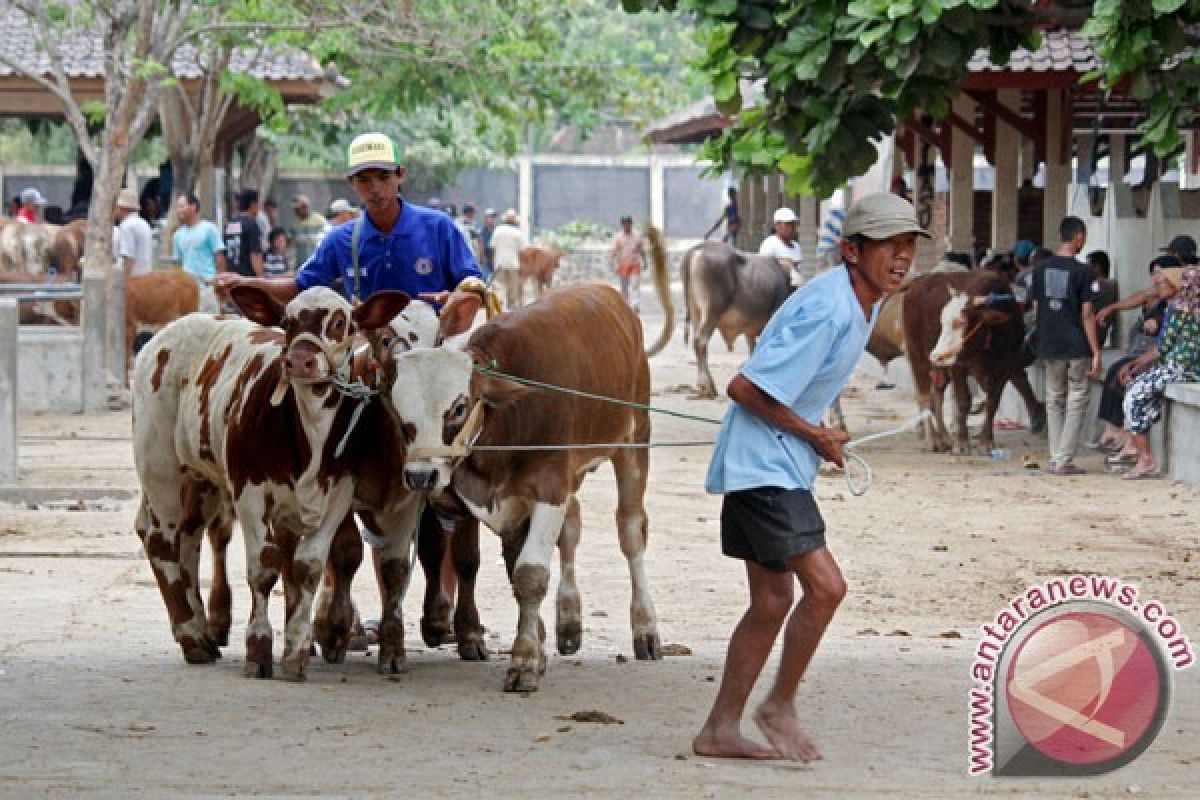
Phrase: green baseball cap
(882,216)
(371,151)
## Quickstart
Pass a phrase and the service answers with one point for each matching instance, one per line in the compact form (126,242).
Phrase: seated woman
(1143,338)
(1177,361)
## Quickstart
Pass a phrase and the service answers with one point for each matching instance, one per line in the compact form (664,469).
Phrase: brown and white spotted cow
(585,338)
(234,419)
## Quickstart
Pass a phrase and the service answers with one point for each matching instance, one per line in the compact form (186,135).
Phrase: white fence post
(9,347)
(94,313)
(116,328)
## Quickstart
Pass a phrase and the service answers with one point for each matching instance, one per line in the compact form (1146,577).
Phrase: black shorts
(770,526)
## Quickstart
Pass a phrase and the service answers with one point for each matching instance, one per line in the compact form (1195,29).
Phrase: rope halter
(460,447)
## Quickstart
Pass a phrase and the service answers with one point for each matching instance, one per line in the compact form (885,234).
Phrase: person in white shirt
(507,241)
(133,242)
(782,244)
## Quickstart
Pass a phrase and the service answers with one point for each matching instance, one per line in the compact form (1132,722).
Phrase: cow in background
(154,300)
(538,264)
(958,324)
(725,291)
(37,249)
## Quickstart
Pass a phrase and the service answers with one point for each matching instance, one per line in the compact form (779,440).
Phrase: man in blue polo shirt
(769,449)
(399,246)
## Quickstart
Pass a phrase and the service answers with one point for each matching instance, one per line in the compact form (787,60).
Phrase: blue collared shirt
(803,359)
(423,252)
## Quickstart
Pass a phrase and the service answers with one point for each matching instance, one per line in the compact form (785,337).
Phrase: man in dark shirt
(1067,344)
(243,239)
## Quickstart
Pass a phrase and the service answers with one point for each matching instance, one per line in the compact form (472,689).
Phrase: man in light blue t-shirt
(766,459)
(197,243)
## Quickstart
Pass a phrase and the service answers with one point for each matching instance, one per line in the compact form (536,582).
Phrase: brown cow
(59,312)
(977,309)
(537,264)
(36,248)
(154,300)
(585,338)
(231,418)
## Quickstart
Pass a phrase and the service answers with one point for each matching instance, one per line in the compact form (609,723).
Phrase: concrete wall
(601,194)
(50,370)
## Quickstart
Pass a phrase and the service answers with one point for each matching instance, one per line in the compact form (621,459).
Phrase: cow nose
(301,364)
(420,478)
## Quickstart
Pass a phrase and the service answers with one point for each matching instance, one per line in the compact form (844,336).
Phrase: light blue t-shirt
(803,359)
(196,247)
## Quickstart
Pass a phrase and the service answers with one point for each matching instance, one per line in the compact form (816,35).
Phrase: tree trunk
(260,163)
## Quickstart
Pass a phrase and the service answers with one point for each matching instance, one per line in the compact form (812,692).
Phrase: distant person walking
(275,260)
(32,203)
(341,212)
(628,252)
(133,240)
(487,259)
(243,239)
(507,241)
(1067,344)
(782,245)
(731,217)
(310,227)
(198,247)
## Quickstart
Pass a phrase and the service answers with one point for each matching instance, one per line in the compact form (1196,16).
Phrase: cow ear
(380,309)
(497,392)
(994,318)
(257,305)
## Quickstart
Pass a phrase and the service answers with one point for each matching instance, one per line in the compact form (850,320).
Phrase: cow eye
(459,411)
(286,323)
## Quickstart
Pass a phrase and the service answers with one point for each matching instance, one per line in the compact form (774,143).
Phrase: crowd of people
(1071,314)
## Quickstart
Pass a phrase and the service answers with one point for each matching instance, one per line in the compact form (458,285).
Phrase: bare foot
(730,744)
(782,729)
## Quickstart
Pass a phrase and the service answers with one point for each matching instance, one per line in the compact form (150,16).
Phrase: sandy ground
(97,702)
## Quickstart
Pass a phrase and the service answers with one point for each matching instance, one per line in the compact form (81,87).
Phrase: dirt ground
(97,702)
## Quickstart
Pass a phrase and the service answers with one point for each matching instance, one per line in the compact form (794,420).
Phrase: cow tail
(662,285)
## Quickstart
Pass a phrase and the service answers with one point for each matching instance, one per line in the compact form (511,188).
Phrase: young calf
(233,419)
(585,338)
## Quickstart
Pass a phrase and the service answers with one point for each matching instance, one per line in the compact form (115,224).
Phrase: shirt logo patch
(424,266)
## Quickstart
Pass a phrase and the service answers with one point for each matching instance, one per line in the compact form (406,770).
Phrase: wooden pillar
(1007,167)
(758,221)
(1054,203)
(962,180)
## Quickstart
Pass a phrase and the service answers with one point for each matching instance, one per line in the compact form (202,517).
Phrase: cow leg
(397,531)
(220,596)
(166,543)
(432,551)
(939,439)
(468,631)
(962,407)
(994,386)
(705,386)
(264,558)
(530,579)
(632,467)
(333,624)
(568,626)
(302,579)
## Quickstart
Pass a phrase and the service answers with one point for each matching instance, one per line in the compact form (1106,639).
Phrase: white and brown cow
(585,338)
(234,419)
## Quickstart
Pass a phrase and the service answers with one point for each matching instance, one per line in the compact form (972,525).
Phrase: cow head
(319,327)
(963,318)
(439,400)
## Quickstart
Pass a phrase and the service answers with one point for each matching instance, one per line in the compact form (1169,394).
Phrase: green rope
(490,369)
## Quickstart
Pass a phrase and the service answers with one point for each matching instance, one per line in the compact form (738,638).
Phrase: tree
(836,74)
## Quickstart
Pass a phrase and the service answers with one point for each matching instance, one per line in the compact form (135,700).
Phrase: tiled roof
(83,55)
(1061,51)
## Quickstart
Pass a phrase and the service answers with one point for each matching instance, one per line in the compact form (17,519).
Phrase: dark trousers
(1112,398)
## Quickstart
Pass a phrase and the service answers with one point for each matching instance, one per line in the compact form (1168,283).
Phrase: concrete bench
(1181,424)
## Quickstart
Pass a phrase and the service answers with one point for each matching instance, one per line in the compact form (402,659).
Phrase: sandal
(1141,473)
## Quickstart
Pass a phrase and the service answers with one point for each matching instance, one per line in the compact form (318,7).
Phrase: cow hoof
(521,679)
(221,637)
(436,632)
(296,673)
(647,647)
(390,662)
(471,647)
(260,671)
(334,653)
(570,638)
(202,651)
(1038,424)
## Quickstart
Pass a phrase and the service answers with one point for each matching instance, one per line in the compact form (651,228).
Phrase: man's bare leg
(771,595)
(824,588)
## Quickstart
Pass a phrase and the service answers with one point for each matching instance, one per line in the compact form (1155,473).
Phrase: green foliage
(836,74)
(36,142)
(574,234)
